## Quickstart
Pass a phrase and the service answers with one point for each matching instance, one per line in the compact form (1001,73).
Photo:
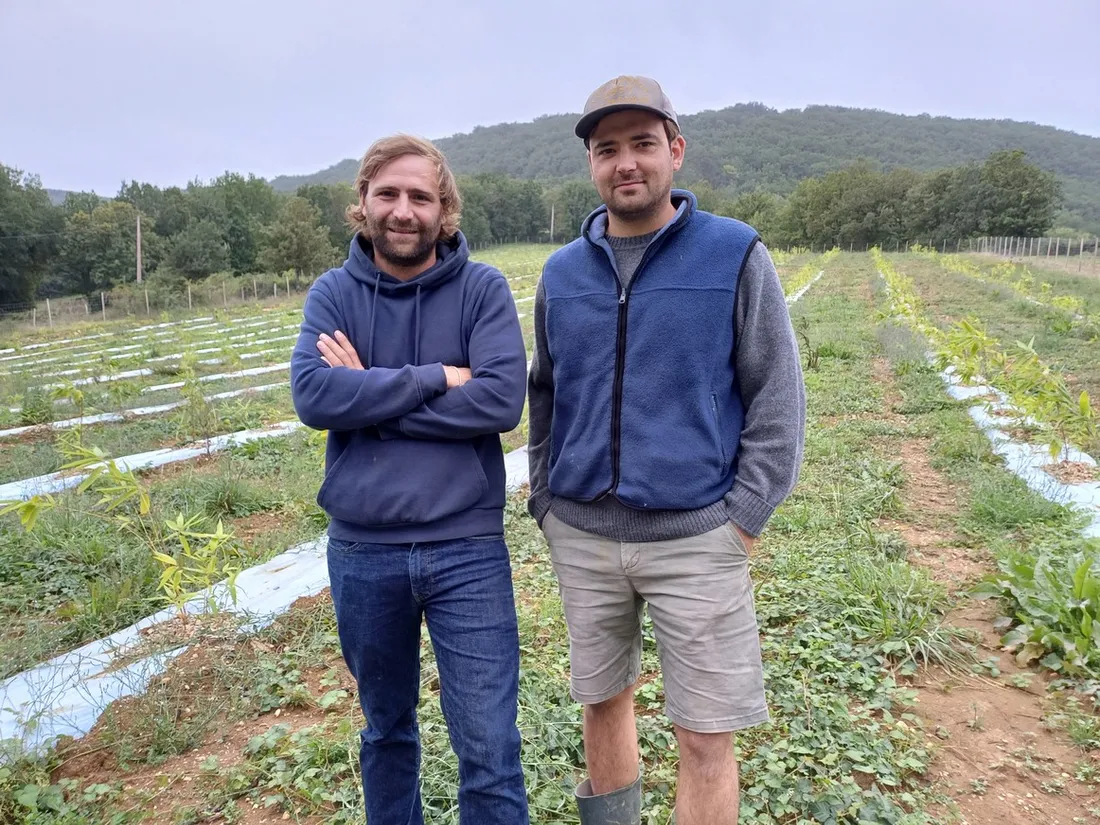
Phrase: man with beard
(666,411)
(411,356)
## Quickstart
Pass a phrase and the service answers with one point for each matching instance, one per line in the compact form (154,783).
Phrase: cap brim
(587,123)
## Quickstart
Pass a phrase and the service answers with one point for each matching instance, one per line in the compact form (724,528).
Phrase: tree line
(242,225)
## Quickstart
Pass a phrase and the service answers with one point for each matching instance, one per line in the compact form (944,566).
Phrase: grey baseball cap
(624,92)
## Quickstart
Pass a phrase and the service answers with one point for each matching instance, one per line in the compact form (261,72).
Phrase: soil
(1073,472)
(997,759)
(994,754)
(207,463)
(179,782)
(248,528)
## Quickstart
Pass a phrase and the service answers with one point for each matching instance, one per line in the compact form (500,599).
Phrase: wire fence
(151,299)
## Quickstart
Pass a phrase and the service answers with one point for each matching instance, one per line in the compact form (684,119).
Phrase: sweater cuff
(539,505)
(747,510)
(431,381)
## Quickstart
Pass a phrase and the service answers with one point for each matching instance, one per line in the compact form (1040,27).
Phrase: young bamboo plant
(192,560)
(1033,387)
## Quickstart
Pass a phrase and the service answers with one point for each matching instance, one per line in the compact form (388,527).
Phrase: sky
(97,93)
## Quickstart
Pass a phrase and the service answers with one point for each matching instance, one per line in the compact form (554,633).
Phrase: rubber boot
(619,807)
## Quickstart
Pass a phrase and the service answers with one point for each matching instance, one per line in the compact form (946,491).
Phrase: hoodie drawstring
(370,339)
(416,330)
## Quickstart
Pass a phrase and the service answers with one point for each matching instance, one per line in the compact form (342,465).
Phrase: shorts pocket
(738,541)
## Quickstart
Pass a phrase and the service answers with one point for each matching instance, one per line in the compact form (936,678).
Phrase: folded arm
(491,401)
(344,398)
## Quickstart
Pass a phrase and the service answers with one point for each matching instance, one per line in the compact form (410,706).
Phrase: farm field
(892,697)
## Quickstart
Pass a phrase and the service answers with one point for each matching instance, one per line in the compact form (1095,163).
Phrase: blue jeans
(463,588)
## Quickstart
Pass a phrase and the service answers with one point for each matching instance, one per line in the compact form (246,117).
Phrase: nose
(402,210)
(626,162)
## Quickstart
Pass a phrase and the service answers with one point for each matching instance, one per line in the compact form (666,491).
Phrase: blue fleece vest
(646,402)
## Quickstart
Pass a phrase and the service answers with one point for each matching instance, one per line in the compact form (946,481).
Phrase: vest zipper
(620,369)
(617,392)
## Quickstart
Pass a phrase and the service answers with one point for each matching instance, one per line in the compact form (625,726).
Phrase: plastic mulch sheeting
(66,695)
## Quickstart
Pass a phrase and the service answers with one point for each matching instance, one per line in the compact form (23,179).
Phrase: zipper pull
(622,297)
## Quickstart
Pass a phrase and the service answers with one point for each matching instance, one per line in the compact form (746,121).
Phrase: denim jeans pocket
(345,546)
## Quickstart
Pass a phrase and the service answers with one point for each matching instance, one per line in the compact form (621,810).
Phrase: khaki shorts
(701,604)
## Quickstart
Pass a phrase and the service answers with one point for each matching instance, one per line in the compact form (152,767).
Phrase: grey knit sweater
(770,454)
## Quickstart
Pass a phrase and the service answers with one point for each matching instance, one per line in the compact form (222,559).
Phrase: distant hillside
(750,146)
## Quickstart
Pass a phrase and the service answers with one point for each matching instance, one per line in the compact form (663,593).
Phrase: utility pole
(139,248)
(551,223)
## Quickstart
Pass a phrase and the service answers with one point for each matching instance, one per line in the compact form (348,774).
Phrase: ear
(677,148)
(363,201)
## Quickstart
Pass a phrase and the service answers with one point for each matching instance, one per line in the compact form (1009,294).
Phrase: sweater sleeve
(769,374)
(340,398)
(540,409)
(491,401)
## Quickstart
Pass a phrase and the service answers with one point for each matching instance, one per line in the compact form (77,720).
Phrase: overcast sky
(100,91)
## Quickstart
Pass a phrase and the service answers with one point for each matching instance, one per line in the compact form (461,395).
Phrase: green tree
(297,240)
(761,210)
(80,202)
(99,250)
(29,224)
(1019,199)
(573,201)
(332,201)
(857,206)
(167,210)
(198,250)
(513,208)
(241,207)
(250,204)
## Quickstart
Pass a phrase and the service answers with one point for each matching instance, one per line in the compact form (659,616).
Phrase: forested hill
(750,146)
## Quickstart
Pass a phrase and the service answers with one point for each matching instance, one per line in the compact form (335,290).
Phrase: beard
(410,250)
(637,205)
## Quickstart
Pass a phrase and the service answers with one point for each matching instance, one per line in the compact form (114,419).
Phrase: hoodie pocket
(402,481)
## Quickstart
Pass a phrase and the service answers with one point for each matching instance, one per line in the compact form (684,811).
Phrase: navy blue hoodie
(407,459)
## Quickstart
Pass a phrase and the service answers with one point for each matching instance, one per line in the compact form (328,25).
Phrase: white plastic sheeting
(1024,460)
(23,351)
(82,364)
(1027,460)
(792,298)
(56,482)
(82,367)
(135,412)
(66,695)
(230,325)
(202,379)
(219,376)
(99,379)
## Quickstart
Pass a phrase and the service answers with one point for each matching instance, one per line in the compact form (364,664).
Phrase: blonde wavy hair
(388,149)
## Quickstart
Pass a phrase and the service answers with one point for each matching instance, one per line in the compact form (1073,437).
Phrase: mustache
(405,227)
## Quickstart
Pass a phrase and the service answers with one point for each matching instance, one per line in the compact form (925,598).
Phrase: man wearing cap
(667,414)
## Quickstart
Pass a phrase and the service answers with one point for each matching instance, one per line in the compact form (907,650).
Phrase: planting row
(958,316)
